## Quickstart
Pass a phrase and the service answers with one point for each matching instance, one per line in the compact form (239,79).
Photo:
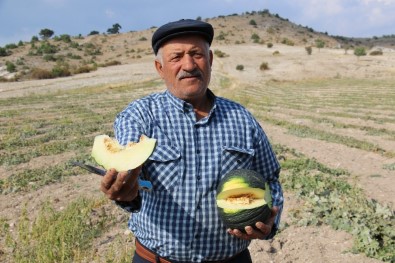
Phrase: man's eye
(175,58)
(198,55)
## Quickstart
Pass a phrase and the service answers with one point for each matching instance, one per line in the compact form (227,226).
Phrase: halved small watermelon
(243,198)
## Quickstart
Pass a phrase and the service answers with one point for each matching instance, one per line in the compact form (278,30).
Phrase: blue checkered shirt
(179,218)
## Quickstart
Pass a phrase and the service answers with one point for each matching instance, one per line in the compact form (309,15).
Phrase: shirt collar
(185,106)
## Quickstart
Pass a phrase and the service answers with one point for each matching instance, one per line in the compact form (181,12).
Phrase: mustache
(187,74)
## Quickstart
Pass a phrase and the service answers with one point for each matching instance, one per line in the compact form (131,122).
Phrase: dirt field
(298,106)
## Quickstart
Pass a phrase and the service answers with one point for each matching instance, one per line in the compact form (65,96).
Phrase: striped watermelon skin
(247,217)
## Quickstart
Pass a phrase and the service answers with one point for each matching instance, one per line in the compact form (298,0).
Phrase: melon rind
(238,183)
(108,153)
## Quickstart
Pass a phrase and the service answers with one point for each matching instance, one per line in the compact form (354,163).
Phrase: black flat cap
(181,27)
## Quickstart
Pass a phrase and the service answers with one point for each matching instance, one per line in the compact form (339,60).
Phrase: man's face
(186,66)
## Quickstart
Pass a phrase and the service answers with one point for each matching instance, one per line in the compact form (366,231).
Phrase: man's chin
(192,93)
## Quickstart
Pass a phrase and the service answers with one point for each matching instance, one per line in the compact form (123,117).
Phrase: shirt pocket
(163,168)
(235,157)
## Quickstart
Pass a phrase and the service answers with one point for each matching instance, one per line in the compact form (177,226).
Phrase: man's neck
(202,106)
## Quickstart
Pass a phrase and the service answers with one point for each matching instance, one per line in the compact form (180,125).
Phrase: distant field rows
(341,110)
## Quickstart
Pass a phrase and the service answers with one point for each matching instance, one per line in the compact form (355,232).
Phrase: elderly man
(200,137)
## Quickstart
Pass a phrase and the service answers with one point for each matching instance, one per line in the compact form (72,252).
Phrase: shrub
(84,69)
(61,70)
(276,53)
(4,52)
(65,38)
(20,61)
(319,43)
(269,45)
(376,53)
(255,37)
(220,54)
(38,73)
(309,50)
(72,56)
(240,67)
(252,22)
(10,66)
(270,30)
(110,63)
(94,32)
(11,46)
(34,39)
(264,66)
(49,57)
(74,44)
(288,42)
(359,51)
(221,36)
(143,39)
(47,48)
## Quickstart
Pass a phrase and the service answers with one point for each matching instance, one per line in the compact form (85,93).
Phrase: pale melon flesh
(241,198)
(108,153)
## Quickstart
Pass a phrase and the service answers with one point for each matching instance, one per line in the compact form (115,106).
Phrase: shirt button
(198,151)
(198,177)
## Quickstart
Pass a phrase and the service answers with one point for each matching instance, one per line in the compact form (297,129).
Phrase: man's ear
(158,67)
(211,58)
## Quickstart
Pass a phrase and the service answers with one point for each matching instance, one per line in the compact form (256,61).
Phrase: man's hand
(120,186)
(262,231)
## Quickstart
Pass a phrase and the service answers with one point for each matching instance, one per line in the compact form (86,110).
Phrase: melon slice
(108,153)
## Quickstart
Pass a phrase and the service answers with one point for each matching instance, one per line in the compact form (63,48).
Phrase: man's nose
(188,63)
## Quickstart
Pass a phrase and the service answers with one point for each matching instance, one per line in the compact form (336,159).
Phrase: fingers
(260,231)
(122,186)
(108,179)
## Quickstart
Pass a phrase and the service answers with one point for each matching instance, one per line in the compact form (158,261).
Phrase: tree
(46,33)
(115,29)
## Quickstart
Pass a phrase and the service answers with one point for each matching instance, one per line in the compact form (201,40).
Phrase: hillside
(64,55)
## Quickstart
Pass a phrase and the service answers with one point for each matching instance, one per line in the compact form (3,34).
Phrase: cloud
(313,9)
(385,2)
(55,3)
(109,13)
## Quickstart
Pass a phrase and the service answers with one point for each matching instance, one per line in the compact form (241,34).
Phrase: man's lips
(190,77)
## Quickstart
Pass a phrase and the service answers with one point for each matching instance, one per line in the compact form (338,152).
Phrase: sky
(22,19)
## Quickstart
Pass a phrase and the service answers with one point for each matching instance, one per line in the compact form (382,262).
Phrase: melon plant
(108,153)
(243,198)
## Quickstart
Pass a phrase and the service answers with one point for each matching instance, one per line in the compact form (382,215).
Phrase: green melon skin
(238,216)
(245,177)
(247,217)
